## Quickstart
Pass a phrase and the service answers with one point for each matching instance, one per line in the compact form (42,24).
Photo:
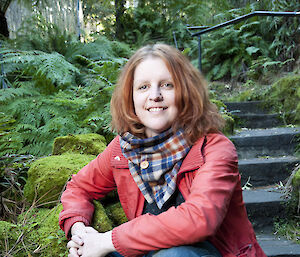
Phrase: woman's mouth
(156,109)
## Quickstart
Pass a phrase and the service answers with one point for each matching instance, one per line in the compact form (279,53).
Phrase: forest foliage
(59,85)
(52,84)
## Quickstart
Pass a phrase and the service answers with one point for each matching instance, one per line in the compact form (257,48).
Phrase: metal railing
(205,29)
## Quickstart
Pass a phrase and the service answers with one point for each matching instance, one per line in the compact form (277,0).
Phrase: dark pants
(203,249)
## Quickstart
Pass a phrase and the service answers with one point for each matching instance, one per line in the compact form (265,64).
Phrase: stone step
(246,107)
(276,246)
(250,120)
(266,142)
(266,171)
(263,206)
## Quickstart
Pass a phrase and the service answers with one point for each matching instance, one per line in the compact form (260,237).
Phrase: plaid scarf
(154,163)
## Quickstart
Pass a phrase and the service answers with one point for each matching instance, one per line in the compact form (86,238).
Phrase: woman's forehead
(151,68)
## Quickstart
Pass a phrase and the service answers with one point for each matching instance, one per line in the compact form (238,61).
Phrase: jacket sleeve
(94,181)
(198,217)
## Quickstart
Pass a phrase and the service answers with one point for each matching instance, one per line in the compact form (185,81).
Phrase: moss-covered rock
(229,124)
(296,183)
(47,176)
(92,144)
(284,97)
(41,235)
(116,214)
(108,214)
(37,233)
(101,221)
(47,233)
(8,237)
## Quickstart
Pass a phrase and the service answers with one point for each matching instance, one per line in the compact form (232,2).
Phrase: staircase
(266,158)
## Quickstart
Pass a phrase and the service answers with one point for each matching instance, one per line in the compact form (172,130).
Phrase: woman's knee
(182,251)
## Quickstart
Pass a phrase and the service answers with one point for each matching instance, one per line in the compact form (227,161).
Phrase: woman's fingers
(80,251)
(71,244)
(77,240)
(73,252)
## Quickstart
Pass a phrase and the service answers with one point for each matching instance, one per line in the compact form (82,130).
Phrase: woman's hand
(96,245)
(78,230)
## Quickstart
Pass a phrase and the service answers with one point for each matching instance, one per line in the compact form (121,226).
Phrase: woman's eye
(167,85)
(143,87)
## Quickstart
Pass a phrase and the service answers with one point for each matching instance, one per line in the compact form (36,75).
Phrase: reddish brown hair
(196,114)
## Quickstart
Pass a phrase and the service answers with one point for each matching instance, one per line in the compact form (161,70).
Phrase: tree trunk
(3,22)
(120,9)
(3,25)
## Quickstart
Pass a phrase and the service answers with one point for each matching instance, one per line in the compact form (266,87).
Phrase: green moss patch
(48,176)
(284,97)
(8,237)
(229,124)
(101,221)
(108,215)
(92,144)
(36,234)
(296,180)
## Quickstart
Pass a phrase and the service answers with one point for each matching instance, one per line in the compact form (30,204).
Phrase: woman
(176,174)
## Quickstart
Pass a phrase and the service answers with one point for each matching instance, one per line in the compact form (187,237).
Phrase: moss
(289,229)
(229,124)
(296,179)
(116,213)
(220,105)
(296,187)
(284,97)
(48,233)
(8,236)
(83,144)
(41,233)
(101,221)
(38,233)
(47,176)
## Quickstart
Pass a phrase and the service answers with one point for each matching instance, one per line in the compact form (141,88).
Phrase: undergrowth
(58,93)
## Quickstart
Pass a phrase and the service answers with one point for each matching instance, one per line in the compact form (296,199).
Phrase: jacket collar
(194,159)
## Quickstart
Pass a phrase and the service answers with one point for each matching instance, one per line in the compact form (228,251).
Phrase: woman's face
(154,96)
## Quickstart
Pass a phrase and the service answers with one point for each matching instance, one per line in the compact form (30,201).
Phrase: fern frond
(9,94)
(52,67)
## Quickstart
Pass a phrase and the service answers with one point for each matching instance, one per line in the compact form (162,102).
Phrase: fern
(259,37)
(54,95)
(8,94)
(41,66)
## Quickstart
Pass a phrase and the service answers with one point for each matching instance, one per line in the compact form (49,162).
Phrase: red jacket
(213,209)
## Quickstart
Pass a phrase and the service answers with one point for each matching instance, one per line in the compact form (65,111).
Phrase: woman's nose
(155,94)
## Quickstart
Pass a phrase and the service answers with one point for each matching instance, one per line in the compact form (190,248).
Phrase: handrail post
(199,54)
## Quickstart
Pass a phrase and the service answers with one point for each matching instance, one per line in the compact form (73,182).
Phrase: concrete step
(253,143)
(266,171)
(246,107)
(263,206)
(275,246)
(253,115)
(250,120)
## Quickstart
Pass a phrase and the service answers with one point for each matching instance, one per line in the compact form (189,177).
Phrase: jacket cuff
(70,222)
(115,242)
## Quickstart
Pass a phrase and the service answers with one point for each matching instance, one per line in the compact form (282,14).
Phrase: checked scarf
(154,163)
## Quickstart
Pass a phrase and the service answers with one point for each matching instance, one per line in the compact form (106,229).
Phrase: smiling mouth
(156,109)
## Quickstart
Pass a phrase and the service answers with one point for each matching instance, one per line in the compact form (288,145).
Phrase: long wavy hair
(196,114)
